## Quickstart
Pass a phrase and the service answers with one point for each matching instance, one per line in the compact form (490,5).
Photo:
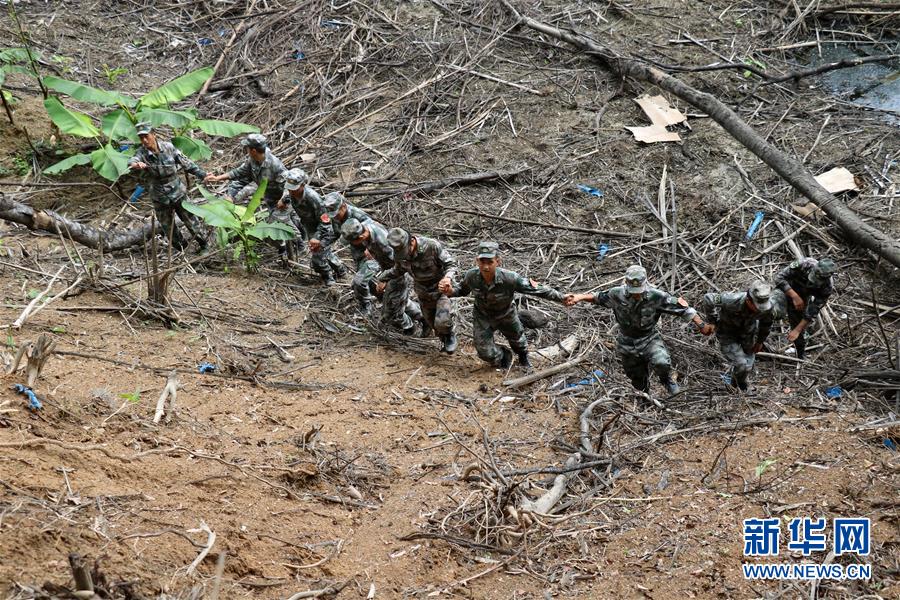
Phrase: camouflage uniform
(428,265)
(639,343)
(494,310)
(312,215)
(738,329)
(397,307)
(330,232)
(245,177)
(167,189)
(800,277)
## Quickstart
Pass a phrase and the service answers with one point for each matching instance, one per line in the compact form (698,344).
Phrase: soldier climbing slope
(742,322)
(260,164)
(432,269)
(494,290)
(637,308)
(804,286)
(160,162)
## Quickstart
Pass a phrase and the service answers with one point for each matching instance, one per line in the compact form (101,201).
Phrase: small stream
(873,85)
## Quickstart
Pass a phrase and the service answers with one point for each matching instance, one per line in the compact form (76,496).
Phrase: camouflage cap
(332,202)
(761,294)
(635,279)
(293,179)
(143,128)
(352,230)
(488,250)
(398,239)
(257,141)
(823,271)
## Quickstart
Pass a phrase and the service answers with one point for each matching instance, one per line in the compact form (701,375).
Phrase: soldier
(494,290)
(260,164)
(742,322)
(637,308)
(377,255)
(805,287)
(339,211)
(308,205)
(432,269)
(160,162)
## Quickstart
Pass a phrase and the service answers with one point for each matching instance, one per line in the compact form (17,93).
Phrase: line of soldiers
(416,276)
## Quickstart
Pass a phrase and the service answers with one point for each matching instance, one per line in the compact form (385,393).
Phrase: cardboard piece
(804,210)
(659,111)
(837,180)
(654,133)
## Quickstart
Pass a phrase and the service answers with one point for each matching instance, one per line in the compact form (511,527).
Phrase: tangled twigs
(546,502)
(36,354)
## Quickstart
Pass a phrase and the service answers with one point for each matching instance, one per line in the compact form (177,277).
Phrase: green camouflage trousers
(397,308)
(739,353)
(639,355)
(165,215)
(437,309)
(483,328)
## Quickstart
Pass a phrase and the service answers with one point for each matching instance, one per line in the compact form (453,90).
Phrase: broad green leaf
(215,214)
(86,93)
(13,69)
(117,125)
(70,121)
(161,116)
(109,162)
(10,55)
(210,197)
(224,128)
(193,148)
(65,165)
(255,200)
(177,89)
(271,231)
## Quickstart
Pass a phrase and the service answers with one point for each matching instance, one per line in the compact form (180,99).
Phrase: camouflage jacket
(378,246)
(428,265)
(638,318)
(795,277)
(733,319)
(309,209)
(330,231)
(165,183)
(251,171)
(496,300)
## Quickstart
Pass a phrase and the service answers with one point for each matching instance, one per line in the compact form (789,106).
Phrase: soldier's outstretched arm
(712,307)
(533,288)
(462,288)
(239,173)
(189,165)
(679,307)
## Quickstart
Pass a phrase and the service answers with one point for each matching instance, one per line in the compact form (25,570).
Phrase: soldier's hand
(315,245)
(281,205)
(368,255)
(570,300)
(797,301)
(708,329)
(210,178)
(793,334)
(445,287)
(756,348)
(379,287)
(138,165)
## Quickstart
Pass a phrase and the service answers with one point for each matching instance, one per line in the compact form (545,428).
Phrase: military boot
(505,358)
(523,360)
(426,329)
(741,383)
(670,385)
(449,342)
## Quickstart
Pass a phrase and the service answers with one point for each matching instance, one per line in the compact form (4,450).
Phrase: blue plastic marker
(834,392)
(206,367)
(33,402)
(602,250)
(138,192)
(590,190)
(757,220)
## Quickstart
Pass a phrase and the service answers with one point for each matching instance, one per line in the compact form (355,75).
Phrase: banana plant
(123,112)
(238,225)
(11,60)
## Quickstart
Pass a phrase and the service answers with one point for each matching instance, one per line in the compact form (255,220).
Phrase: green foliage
(14,60)
(63,62)
(125,112)
(764,465)
(21,165)
(133,397)
(112,74)
(237,225)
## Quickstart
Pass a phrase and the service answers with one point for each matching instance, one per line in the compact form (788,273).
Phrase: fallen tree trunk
(789,168)
(92,237)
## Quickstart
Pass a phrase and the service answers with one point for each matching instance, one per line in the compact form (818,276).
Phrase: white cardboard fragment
(654,133)
(807,209)
(307,157)
(659,111)
(837,180)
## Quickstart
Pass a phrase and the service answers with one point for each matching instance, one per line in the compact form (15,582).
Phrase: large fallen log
(789,168)
(92,237)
